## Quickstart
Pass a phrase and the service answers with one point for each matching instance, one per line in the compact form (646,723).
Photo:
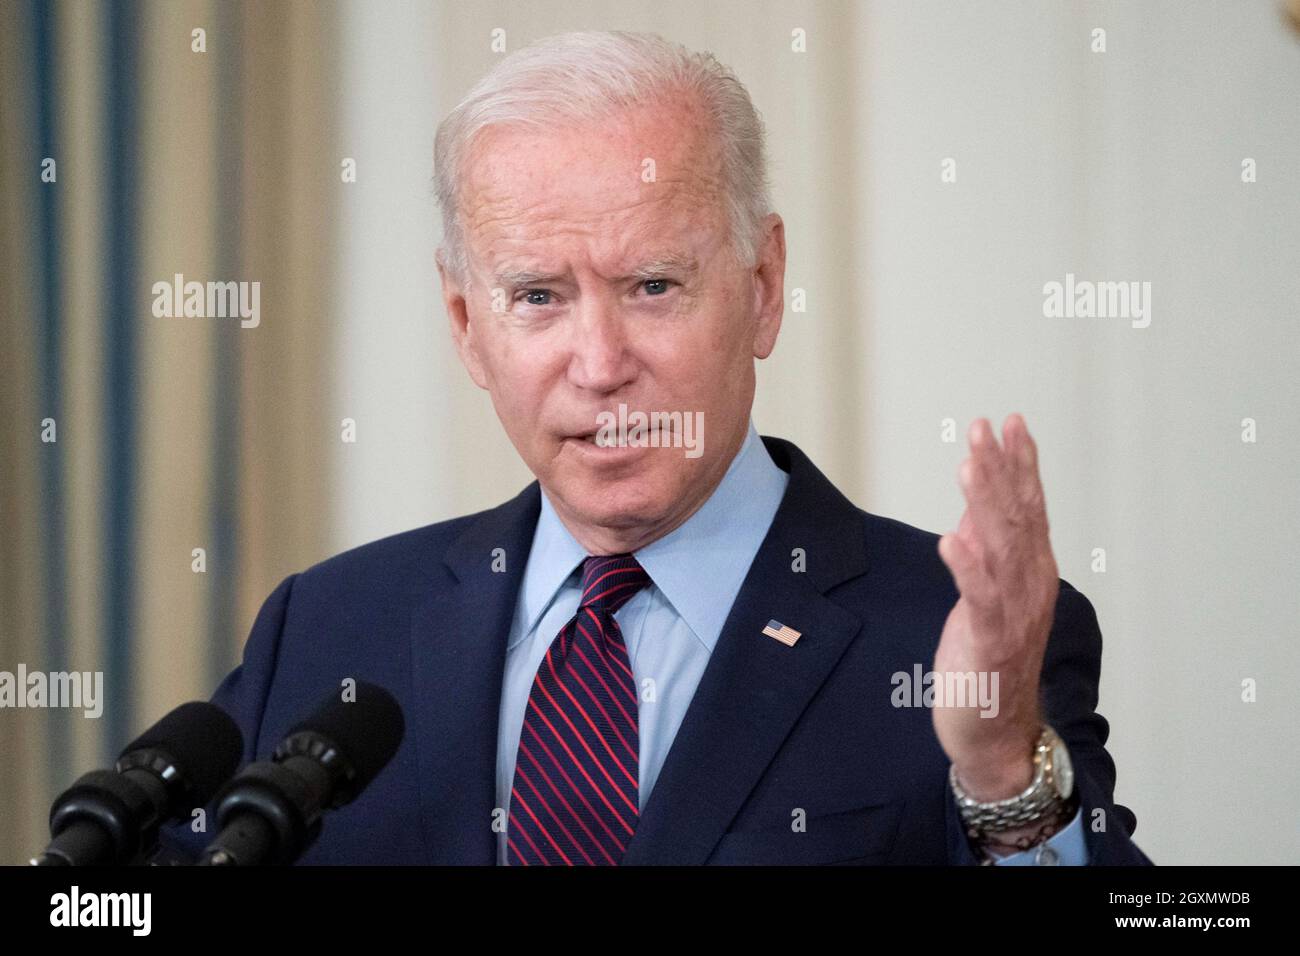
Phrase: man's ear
(462,332)
(769,286)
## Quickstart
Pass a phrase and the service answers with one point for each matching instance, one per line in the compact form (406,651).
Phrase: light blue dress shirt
(670,627)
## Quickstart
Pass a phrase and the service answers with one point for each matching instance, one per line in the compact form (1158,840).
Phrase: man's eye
(530,293)
(656,286)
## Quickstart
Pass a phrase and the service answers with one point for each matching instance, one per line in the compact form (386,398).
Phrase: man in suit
(679,644)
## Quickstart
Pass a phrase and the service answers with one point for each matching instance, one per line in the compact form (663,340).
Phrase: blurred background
(936,163)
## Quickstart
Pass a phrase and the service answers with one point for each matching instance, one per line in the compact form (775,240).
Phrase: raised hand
(1001,559)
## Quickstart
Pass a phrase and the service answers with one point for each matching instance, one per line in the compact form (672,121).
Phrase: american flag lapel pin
(783,633)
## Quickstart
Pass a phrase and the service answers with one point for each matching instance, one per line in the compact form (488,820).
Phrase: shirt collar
(554,557)
(716,545)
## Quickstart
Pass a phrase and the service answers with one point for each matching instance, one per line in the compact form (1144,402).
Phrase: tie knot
(610,581)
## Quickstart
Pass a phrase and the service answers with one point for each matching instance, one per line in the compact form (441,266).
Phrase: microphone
(271,812)
(110,817)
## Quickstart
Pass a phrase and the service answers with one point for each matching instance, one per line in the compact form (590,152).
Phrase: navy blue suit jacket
(771,728)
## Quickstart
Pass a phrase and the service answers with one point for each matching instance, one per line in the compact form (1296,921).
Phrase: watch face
(1062,770)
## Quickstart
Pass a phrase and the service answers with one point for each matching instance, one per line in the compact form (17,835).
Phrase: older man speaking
(681,644)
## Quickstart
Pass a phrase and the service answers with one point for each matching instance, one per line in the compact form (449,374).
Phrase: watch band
(1038,802)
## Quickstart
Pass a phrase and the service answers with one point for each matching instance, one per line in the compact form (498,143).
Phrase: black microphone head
(366,732)
(200,740)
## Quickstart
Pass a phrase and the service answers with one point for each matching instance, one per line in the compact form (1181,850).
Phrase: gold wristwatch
(1048,798)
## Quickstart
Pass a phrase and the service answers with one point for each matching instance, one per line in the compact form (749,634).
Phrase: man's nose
(601,360)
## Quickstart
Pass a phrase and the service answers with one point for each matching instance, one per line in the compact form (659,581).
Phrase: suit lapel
(754,687)
(458,648)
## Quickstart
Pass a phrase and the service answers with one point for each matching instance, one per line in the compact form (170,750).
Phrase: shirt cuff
(1066,848)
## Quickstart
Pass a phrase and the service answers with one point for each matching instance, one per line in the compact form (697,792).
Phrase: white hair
(573,77)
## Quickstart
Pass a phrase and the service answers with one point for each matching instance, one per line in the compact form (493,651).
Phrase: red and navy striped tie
(575,796)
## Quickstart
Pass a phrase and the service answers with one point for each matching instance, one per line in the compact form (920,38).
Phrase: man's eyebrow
(650,269)
(514,278)
(672,262)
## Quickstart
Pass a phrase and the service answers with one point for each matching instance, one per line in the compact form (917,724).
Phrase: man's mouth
(593,438)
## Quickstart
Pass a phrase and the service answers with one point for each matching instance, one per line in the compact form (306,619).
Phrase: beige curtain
(173,434)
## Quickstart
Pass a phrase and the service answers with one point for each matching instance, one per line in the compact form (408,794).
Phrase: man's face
(592,287)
